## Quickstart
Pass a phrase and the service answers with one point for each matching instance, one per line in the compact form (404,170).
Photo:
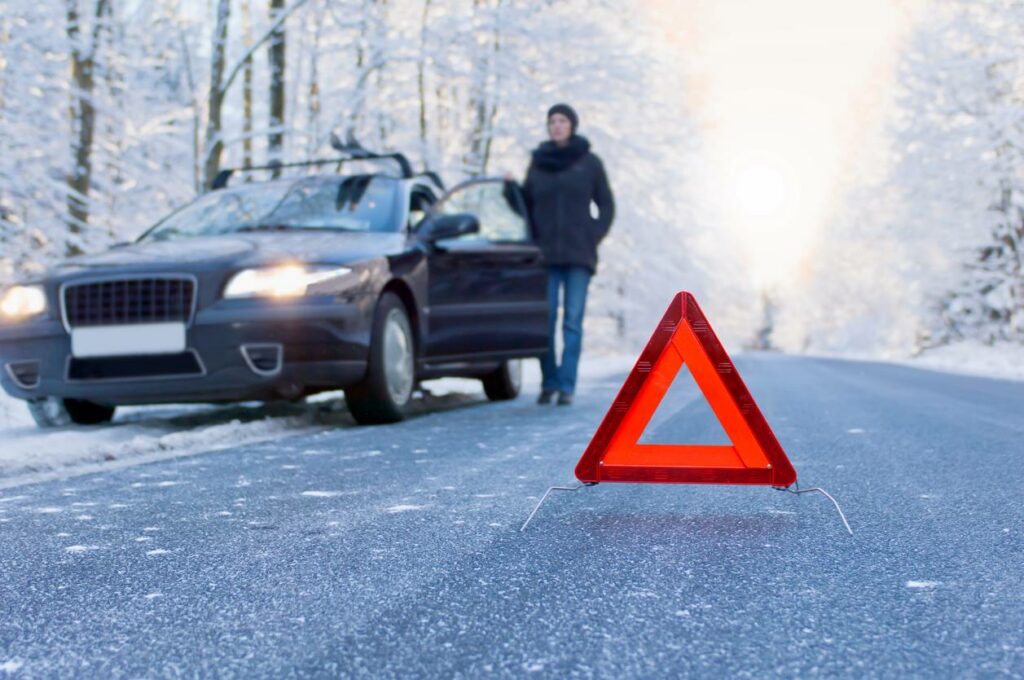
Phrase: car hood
(240,250)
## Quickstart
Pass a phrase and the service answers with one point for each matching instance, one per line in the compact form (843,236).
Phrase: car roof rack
(352,150)
(433,177)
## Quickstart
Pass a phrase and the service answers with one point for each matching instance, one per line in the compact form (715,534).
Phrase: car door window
(420,201)
(499,223)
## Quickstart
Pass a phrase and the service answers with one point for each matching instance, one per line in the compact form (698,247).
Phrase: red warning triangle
(684,335)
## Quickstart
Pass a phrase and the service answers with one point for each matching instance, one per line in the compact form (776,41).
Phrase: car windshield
(353,203)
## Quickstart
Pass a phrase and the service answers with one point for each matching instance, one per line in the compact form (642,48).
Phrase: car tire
(382,395)
(505,382)
(56,412)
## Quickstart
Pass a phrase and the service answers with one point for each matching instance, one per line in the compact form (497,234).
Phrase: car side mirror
(440,227)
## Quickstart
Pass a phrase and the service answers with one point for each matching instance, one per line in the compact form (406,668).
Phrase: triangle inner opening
(684,416)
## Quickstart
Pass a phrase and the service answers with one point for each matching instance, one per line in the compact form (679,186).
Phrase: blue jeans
(574,280)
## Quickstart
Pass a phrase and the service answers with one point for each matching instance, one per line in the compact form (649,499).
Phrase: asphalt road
(396,551)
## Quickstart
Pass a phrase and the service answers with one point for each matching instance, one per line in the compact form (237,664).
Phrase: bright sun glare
(759,190)
(784,92)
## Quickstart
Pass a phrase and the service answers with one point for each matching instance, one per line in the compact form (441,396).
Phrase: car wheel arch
(405,294)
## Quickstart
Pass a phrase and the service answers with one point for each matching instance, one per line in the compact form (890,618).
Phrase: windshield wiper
(262,227)
(291,227)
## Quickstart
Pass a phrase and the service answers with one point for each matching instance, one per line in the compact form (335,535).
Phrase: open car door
(488,290)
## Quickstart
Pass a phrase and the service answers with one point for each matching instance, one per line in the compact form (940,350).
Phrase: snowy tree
(987,301)
(925,246)
(460,86)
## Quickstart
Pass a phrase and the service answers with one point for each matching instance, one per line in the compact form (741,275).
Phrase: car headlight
(279,282)
(19,302)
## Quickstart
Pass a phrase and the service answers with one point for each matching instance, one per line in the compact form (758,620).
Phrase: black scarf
(553,158)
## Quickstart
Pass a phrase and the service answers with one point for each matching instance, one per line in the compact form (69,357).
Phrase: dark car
(283,288)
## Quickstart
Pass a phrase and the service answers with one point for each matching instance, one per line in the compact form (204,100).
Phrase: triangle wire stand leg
(548,493)
(814,489)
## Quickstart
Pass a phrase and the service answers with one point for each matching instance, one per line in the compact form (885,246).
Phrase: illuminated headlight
(19,302)
(279,282)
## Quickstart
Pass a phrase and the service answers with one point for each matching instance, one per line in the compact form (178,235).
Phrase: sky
(785,93)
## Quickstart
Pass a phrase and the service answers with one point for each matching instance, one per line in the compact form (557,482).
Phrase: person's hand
(509,177)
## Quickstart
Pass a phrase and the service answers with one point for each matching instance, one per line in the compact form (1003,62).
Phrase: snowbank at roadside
(999,360)
(1004,361)
(12,414)
(144,434)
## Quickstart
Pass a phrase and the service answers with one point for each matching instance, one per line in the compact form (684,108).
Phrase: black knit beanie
(566,111)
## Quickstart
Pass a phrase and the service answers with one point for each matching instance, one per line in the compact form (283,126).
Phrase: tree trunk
(82,112)
(314,90)
(275,140)
(247,86)
(421,77)
(214,142)
(186,54)
(355,111)
(483,97)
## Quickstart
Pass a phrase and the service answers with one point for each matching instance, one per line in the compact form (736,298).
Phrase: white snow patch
(856,430)
(158,551)
(153,596)
(148,434)
(140,435)
(321,494)
(405,508)
(80,548)
(923,584)
(50,510)
(11,666)
(998,360)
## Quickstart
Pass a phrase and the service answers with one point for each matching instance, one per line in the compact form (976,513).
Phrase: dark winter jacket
(559,188)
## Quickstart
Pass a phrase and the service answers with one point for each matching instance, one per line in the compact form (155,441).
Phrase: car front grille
(129,301)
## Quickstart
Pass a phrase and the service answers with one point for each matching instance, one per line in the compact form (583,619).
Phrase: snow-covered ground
(999,360)
(144,434)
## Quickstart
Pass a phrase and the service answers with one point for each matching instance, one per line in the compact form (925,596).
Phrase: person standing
(564,180)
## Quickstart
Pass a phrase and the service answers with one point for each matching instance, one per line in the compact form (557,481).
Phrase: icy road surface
(396,552)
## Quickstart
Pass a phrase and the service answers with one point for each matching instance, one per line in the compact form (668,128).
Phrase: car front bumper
(300,347)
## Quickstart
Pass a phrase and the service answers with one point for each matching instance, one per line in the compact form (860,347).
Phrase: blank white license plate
(109,341)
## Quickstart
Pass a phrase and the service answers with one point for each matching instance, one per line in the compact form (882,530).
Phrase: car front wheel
(55,412)
(381,397)
(504,383)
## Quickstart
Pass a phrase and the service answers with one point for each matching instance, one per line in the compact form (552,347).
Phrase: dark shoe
(545,396)
(565,399)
